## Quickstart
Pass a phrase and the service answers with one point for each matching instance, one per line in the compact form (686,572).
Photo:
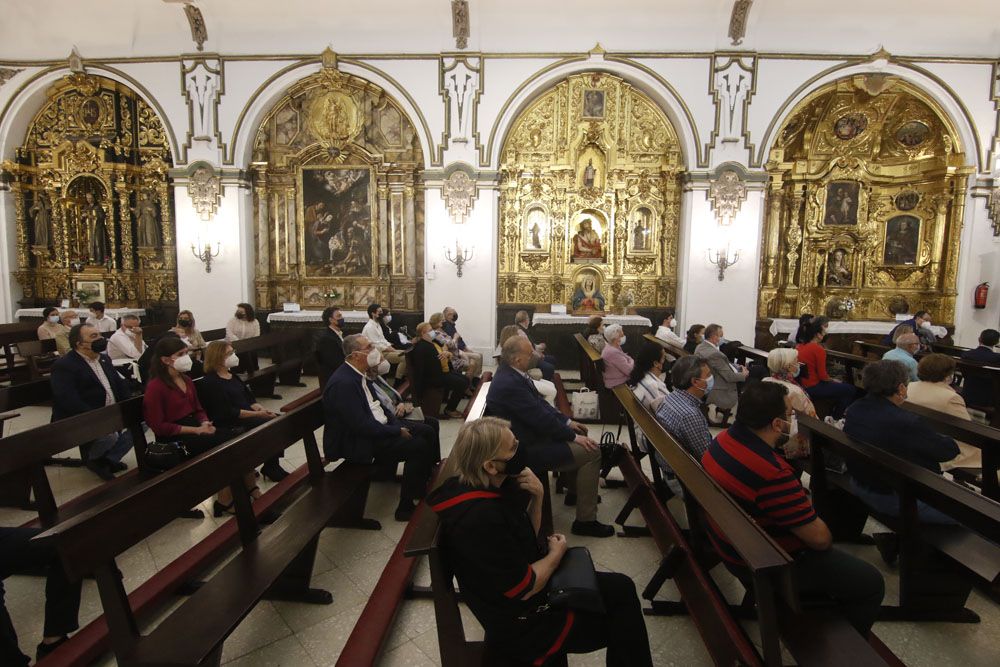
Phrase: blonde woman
(188,333)
(783,362)
(493,545)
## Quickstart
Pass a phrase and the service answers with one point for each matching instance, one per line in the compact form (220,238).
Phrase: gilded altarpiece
(92,198)
(590,199)
(864,207)
(337,191)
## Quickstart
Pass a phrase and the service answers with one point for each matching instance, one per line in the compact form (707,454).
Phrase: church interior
(760,177)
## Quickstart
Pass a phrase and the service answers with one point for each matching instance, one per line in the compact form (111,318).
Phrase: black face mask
(99,345)
(339,323)
(184,323)
(240,316)
(515,464)
(454,318)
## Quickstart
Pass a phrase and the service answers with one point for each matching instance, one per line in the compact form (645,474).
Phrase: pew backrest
(671,349)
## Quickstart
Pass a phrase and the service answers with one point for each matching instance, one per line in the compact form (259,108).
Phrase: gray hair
(520,316)
(612,331)
(685,370)
(353,343)
(882,378)
(130,316)
(907,339)
(512,348)
(781,358)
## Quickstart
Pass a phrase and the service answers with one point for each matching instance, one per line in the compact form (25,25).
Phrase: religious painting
(90,112)
(590,169)
(88,291)
(536,230)
(593,103)
(587,297)
(640,232)
(912,133)
(902,240)
(838,270)
(337,219)
(849,126)
(907,201)
(587,244)
(842,203)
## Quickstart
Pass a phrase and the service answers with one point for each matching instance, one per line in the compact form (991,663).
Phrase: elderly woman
(783,362)
(458,362)
(432,369)
(595,333)
(52,327)
(933,390)
(492,542)
(617,364)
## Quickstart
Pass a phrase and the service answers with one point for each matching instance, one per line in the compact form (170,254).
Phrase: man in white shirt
(374,332)
(97,318)
(127,342)
(665,331)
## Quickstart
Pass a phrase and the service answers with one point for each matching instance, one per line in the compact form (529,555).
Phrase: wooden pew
(853,364)
(592,376)
(14,368)
(931,588)
(39,356)
(286,367)
(950,350)
(829,640)
(275,562)
(672,350)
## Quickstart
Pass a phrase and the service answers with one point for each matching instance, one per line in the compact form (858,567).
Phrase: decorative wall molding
(202,84)
(726,193)
(199,32)
(75,62)
(460,84)
(733,83)
(738,21)
(459,191)
(205,189)
(8,73)
(460,23)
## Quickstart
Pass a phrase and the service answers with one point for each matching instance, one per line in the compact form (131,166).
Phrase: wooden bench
(285,349)
(39,356)
(780,613)
(930,588)
(950,350)
(672,350)
(592,376)
(275,562)
(14,367)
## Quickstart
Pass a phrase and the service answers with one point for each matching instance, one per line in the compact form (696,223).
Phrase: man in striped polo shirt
(743,461)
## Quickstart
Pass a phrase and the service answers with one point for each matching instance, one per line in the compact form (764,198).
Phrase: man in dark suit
(550,440)
(83,380)
(546,362)
(330,344)
(921,325)
(979,391)
(361,430)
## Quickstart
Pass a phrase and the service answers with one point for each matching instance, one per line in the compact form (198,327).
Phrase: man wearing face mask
(374,331)
(680,412)
(411,417)
(546,362)
(361,430)
(330,344)
(723,394)
(104,323)
(666,330)
(921,325)
(127,342)
(743,461)
(84,380)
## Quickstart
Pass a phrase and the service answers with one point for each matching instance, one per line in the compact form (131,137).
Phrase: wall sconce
(722,260)
(205,253)
(461,257)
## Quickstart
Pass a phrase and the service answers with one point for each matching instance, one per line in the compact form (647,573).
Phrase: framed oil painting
(337,221)
(88,291)
(842,203)
(593,103)
(902,240)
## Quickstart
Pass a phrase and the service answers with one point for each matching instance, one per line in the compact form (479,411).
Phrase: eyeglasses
(512,454)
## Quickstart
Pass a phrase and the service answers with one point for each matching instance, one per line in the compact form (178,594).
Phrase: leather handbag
(574,583)
(163,456)
(585,405)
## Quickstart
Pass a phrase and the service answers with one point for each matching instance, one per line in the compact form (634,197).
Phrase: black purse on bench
(574,583)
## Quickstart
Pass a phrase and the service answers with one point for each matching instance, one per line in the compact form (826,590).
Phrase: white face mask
(673,323)
(925,324)
(622,341)
(53,318)
(182,364)
(383,367)
(388,319)
(93,316)
(374,356)
(232,361)
(73,322)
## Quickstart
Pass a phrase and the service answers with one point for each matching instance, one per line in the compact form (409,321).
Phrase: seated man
(551,441)
(680,412)
(104,323)
(546,362)
(978,391)
(878,420)
(411,417)
(19,553)
(906,346)
(723,394)
(920,323)
(360,430)
(665,332)
(432,369)
(330,344)
(374,331)
(475,367)
(84,380)
(743,461)
(127,342)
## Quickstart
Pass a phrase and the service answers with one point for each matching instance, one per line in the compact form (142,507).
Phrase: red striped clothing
(763,484)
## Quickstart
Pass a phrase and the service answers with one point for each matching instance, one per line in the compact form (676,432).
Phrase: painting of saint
(593,104)
(902,239)
(838,274)
(337,221)
(587,297)
(535,233)
(842,203)
(587,242)
(642,227)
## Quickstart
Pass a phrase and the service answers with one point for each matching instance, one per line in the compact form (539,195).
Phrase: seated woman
(646,378)
(695,335)
(544,387)
(173,412)
(595,333)
(817,382)
(241,326)
(230,403)
(617,364)
(458,363)
(433,370)
(492,543)
(188,333)
(53,328)
(783,362)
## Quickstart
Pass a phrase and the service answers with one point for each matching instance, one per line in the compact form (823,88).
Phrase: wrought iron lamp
(206,253)
(461,257)
(722,260)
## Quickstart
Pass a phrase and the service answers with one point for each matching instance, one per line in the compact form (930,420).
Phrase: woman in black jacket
(432,370)
(492,543)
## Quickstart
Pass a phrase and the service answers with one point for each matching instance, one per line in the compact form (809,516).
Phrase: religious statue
(837,272)
(589,174)
(588,298)
(94,219)
(536,239)
(42,215)
(147,223)
(586,242)
(640,230)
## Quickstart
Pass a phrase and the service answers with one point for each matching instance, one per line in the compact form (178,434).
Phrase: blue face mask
(709,384)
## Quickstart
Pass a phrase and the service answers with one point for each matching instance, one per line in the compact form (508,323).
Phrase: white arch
(939,91)
(643,78)
(20,110)
(269,92)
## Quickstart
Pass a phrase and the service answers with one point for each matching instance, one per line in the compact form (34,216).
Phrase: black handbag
(162,456)
(574,583)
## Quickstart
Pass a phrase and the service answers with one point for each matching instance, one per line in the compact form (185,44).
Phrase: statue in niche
(536,240)
(641,230)
(94,220)
(587,297)
(535,230)
(589,174)
(837,272)
(42,216)
(147,224)
(587,242)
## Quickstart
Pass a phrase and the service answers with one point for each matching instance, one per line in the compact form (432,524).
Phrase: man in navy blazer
(361,430)
(84,380)
(979,391)
(550,440)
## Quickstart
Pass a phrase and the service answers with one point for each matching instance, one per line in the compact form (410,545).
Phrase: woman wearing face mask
(53,328)
(617,365)
(817,382)
(229,402)
(595,333)
(783,362)
(647,376)
(695,336)
(665,332)
(188,333)
(433,370)
(493,545)
(243,324)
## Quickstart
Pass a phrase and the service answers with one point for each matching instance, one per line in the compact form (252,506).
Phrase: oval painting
(849,126)
(912,134)
(907,201)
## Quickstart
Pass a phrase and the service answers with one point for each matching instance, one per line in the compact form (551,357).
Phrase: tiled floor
(349,563)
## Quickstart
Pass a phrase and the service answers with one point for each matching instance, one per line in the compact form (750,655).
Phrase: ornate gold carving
(993,209)
(726,194)
(334,118)
(459,194)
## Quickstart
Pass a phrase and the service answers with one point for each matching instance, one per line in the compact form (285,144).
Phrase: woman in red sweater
(817,383)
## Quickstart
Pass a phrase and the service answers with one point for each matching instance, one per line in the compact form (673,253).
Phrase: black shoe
(220,509)
(44,649)
(117,466)
(570,500)
(274,472)
(888,546)
(405,511)
(101,468)
(592,529)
